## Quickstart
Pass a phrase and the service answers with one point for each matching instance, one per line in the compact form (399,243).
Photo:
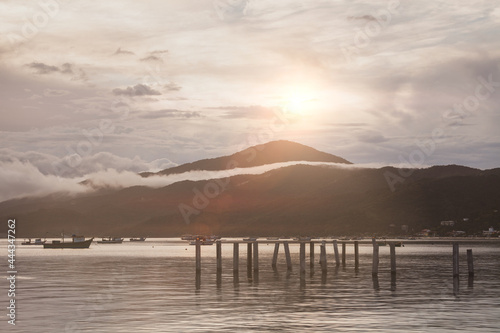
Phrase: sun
(298,102)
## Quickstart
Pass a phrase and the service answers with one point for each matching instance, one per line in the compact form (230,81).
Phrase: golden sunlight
(298,102)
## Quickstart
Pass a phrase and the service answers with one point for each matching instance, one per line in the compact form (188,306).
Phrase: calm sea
(151,287)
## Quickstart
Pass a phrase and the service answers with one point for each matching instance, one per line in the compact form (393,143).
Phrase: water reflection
(145,289)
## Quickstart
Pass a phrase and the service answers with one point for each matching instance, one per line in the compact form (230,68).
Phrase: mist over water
(151,287)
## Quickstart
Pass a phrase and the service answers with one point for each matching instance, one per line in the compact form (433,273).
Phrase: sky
(130,86)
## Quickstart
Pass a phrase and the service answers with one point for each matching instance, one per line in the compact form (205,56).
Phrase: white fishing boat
(110,240)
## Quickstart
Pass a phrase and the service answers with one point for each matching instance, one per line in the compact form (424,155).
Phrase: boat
(110,240)
(38,241)
(272,238)
(399,244)
(249,239)
(188,237)
(384,243)
(141,239)
(78,242)
(203,240)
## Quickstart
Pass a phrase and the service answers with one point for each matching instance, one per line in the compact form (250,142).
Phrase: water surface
(151,287)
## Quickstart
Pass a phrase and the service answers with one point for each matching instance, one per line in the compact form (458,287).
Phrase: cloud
(22,179)
(55,93)
(172,86)
(42,68)
(77,74)
(249,112)
(170,113)
(159,52)
(72,166)
(152,58)
(120,51)
(371,137)
(137,90)
(363,17)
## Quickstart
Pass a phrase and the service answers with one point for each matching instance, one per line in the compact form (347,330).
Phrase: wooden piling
(393,257)
(470,262)
(219,255)
(336,251)
(322,257)
(236,258)
(198,256)
(249,259)
(356,254)
(343,253)
(256,256)
(287,255)
(302,257)
(375,259)
(456,269)
(275,255)
(311,256)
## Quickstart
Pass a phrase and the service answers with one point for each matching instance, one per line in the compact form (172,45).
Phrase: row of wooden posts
(253,256)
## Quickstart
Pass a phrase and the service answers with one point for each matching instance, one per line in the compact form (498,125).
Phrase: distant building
(489,232)
(404,228)
(448,223)
(424,233)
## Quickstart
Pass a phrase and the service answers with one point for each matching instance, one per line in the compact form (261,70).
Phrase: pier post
(456,269)
(336,251)
(356,254)
(375,258)
(256,256)
(219,255)
(393,257)
(470,262)
(275,255)
(198,256)
(343,253)
(249,259)
(322,257)
(236,258)
(302,257)
(287,255)
(311,256)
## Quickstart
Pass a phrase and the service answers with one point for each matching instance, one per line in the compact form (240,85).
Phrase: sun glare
(298,102)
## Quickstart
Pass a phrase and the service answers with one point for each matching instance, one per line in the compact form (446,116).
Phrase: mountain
(293,200)
(268,153)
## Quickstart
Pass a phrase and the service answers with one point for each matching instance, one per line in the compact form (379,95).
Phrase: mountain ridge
(267,153)
(292,200)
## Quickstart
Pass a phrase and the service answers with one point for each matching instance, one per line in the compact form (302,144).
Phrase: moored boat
(78,242)
(141,239)
(38,241)
(188,237)
(203,240)
(110,240)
